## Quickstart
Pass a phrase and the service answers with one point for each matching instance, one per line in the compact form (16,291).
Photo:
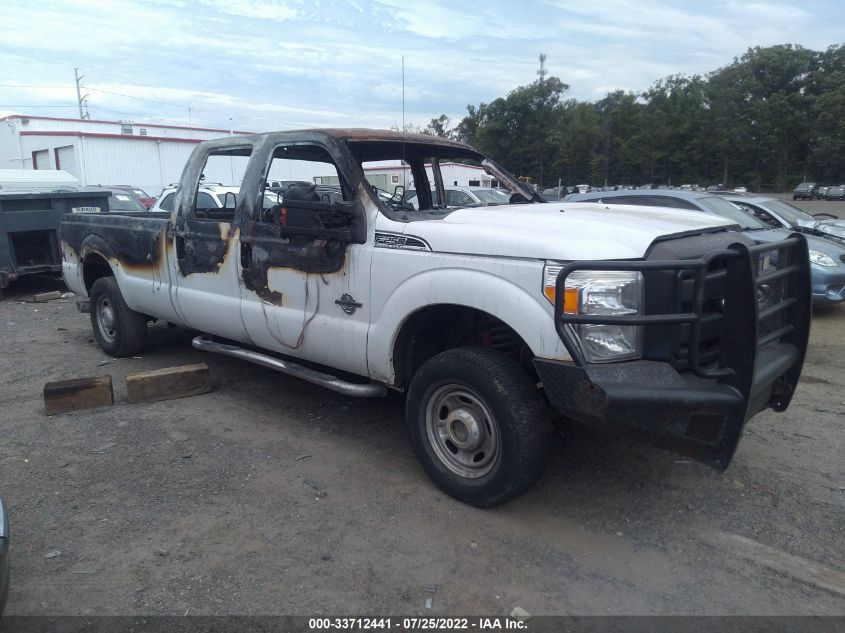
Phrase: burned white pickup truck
(663,325)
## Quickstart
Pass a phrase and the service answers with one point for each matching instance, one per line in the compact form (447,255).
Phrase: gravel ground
(198,505)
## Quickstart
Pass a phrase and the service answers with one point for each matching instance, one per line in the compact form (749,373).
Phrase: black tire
(517,433)
(126,333)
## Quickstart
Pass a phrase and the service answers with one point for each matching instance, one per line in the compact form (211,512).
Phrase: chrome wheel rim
(106,318)
(462,432)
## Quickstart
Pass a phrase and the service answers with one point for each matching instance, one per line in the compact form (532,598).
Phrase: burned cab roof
(369,145)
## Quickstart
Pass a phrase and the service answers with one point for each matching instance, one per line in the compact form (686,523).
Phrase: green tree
(770,118)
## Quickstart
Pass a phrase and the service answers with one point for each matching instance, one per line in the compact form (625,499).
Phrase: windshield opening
(435,177)
(727,210)
(793,215)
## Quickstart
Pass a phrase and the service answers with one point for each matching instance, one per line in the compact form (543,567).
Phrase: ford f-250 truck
(663,325)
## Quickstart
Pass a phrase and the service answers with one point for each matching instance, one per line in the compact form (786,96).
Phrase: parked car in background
(778,213)
(119,200)
(726,192)
(741,189)
(210,196)
(835,193)
(142,196)
(465,197)
(822,192)
(554,194)
(806,191)
(827,268)
(827,252)
(279,186)
(4,556)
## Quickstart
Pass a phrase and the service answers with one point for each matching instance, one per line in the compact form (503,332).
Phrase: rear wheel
(478,425)
(119,330)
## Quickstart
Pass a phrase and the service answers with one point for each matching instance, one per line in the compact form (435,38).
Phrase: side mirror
(398,192)
(229,200)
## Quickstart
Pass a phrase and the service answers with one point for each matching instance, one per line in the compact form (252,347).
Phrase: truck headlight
(822,259)
(601,292)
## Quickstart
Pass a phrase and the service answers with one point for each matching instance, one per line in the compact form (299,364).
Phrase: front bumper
(652,402)
(828,290)
(743,325)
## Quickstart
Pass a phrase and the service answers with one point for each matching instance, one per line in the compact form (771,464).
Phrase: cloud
(280,64)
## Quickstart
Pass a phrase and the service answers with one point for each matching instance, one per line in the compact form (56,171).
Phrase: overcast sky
(285,64)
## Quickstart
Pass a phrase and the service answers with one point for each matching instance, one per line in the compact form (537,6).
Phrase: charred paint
(264,249)
(202,245)
(135,242)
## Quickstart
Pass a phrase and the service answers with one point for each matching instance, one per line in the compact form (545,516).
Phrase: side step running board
(371,390)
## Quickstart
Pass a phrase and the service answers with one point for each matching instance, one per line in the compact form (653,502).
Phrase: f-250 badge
(348,304)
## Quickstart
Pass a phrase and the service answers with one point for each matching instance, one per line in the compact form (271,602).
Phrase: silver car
(467,196)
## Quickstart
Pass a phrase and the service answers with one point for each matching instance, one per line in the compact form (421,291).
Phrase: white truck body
(382,293)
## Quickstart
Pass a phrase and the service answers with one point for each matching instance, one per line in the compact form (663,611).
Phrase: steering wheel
(825,216)
(273,213)
(392,200)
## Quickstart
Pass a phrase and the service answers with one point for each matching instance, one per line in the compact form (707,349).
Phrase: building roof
(138,123)
(126,137)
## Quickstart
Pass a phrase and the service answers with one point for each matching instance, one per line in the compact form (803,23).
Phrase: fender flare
(94,244)
(480,290)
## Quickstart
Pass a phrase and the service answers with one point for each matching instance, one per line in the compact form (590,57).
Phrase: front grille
(712,313)
(776,301)
(773,276)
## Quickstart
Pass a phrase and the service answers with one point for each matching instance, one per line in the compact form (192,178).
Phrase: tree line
(772,118)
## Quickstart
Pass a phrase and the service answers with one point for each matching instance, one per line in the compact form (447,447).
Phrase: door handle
(179,238)
(246,255)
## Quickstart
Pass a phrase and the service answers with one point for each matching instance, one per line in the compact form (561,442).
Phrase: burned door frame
(205,289)
(305,290)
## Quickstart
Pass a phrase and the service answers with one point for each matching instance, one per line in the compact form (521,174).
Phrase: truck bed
(135,239)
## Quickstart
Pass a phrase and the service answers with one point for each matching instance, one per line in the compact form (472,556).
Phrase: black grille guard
(745,270)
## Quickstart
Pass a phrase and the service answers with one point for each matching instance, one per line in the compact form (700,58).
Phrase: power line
(33,86)
(37,106)
(175,105)
(160,102)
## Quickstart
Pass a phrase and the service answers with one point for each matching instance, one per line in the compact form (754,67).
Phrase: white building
(387,175)
(149,156)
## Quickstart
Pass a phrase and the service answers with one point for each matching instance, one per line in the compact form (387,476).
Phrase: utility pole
(81,101)
(542,71)
(544,112)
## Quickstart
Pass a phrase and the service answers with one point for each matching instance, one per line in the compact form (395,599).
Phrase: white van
(44,180)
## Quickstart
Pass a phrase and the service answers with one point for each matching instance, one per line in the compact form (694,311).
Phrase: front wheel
(478,425)
(119,330)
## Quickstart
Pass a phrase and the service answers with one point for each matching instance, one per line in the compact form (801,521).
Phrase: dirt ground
(198,505)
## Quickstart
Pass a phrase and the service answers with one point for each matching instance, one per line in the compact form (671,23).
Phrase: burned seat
(300,215)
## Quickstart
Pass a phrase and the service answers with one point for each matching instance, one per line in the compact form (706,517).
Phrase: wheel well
(94,266)
(435,329)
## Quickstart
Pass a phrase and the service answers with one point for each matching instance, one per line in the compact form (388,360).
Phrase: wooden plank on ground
(167,383)
(47,296)
(802,569)
(80,393)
